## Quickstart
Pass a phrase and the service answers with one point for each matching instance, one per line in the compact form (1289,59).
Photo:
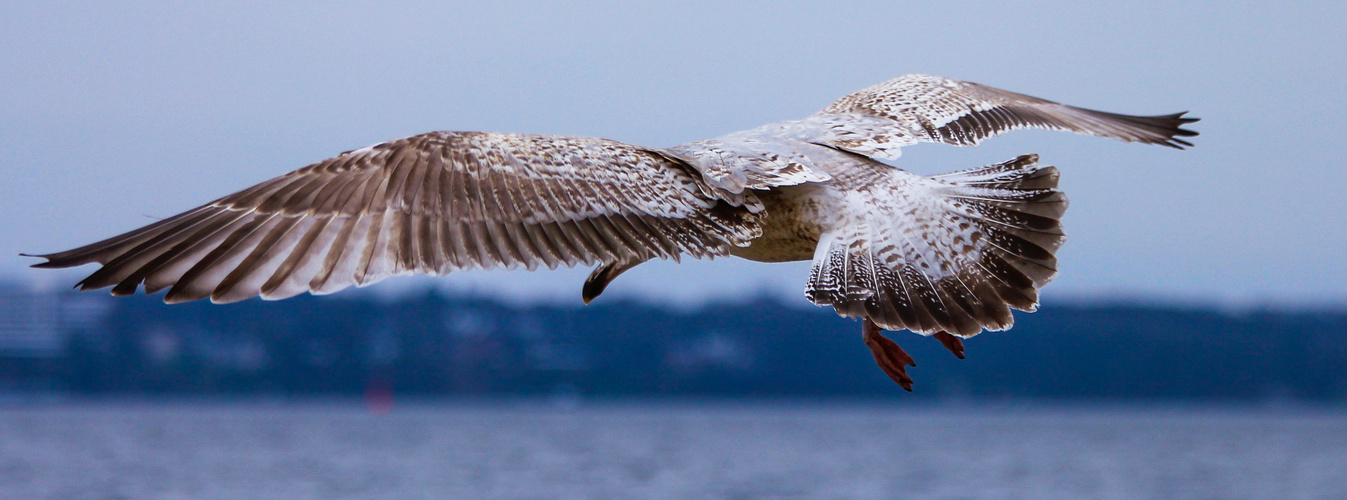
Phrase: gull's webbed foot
(954,344)
(890,358)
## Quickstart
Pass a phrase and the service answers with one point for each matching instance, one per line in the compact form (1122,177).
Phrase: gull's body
(945,255)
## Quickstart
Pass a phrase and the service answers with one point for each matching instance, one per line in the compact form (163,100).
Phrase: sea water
(520,450)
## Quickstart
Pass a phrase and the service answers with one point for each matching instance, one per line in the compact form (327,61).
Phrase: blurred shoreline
(64,345)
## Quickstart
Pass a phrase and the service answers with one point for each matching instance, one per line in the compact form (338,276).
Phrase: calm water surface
(663,450)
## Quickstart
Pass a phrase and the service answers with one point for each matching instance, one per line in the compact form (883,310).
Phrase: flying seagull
(946,256)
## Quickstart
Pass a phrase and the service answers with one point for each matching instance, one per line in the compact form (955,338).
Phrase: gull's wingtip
(1183,132)
(1167,128)
(49,264)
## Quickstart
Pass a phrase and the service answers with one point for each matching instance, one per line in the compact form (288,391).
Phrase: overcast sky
(113,115)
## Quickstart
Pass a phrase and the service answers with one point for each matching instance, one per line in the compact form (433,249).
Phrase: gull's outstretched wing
(432,203)
(951,253)
(879,120)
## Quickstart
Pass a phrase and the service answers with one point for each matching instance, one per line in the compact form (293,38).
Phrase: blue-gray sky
(112,114)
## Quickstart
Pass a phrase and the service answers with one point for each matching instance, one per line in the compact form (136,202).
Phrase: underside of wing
(431,203)
(946,253)
(879,120)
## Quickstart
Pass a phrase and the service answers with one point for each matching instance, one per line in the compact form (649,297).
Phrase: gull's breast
(792,226)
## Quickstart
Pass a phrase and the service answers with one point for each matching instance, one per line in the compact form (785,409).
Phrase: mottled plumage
(947,255)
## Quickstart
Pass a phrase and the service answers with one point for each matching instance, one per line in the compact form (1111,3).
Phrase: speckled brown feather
(432,203)
(962,248)
(879,120)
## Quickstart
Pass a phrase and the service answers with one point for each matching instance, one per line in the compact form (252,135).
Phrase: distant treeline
(435,345)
